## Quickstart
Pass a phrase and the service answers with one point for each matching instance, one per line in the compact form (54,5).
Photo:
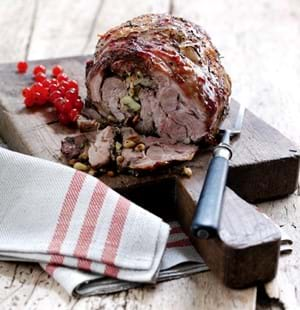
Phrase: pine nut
(129,144)
(140,147)
(92,172)
(110,173)
(80,166)
(187,171)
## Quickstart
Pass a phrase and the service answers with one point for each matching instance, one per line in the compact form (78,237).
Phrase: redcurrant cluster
(60,91)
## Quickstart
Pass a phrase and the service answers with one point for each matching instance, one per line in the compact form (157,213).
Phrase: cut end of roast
(160,75)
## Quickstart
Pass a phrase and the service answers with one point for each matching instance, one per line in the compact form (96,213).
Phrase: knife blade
(208,211)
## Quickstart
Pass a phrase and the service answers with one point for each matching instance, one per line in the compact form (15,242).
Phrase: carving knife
(208,211)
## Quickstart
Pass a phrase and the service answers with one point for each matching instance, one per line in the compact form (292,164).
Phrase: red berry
(38,98)
(54,95)
(40,77)
(53,88)
(62,89)
(63,118)
(45,93)
(36,87)
(59,104)
(39,69)
(73,115)
(26,92)
(28,102)
(56,70)
(78,104)
(62,77)
(54,81)
(43,100)
(46,83)
(71,94)
(73,84)
(65,84)
(22,66)
(67,106)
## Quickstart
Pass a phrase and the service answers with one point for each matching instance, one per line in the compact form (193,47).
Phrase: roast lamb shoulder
(160,78)
(161,75)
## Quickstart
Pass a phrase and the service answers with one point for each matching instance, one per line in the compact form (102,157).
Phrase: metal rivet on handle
(203,234)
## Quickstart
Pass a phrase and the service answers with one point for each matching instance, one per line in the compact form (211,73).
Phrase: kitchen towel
(53,214)
(180,259)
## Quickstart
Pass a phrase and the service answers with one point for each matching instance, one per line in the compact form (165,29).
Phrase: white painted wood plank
(61,27)
(202,291)
(118,11)
(286,213)
(28,287)
(15,28)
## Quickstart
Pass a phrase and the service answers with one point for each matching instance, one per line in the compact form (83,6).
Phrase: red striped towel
(53,214)
(180,259)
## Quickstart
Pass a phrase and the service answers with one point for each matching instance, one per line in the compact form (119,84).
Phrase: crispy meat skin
(176,54)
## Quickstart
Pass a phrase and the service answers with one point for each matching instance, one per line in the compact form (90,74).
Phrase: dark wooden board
(265,165)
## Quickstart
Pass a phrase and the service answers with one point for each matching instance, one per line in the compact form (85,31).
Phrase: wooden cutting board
(265,166)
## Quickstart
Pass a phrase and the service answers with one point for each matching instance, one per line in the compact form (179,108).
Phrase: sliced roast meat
(72,147)
(162,76)
(99,153)
(131,157)
(86,125)
(157,155)
(92,114)
(156,152)
(137,152)
(129,133)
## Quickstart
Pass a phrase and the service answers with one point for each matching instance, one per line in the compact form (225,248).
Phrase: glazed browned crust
(174,46)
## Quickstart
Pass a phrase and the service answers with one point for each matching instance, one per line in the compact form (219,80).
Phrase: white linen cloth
(53,214)
(180,259)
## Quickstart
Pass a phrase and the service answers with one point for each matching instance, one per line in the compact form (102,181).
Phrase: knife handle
(207,216)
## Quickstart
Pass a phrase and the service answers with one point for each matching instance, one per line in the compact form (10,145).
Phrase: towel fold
(55,215)
(180,259)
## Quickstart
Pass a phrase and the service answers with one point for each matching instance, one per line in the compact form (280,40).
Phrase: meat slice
(99,153)
(157,155)
(72,147)
(169,152)
(156,152)
(129,133)
(86,125)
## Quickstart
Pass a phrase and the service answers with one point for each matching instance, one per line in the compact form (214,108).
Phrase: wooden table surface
(260,43)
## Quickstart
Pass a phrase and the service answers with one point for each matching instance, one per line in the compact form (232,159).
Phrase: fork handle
(208,210)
